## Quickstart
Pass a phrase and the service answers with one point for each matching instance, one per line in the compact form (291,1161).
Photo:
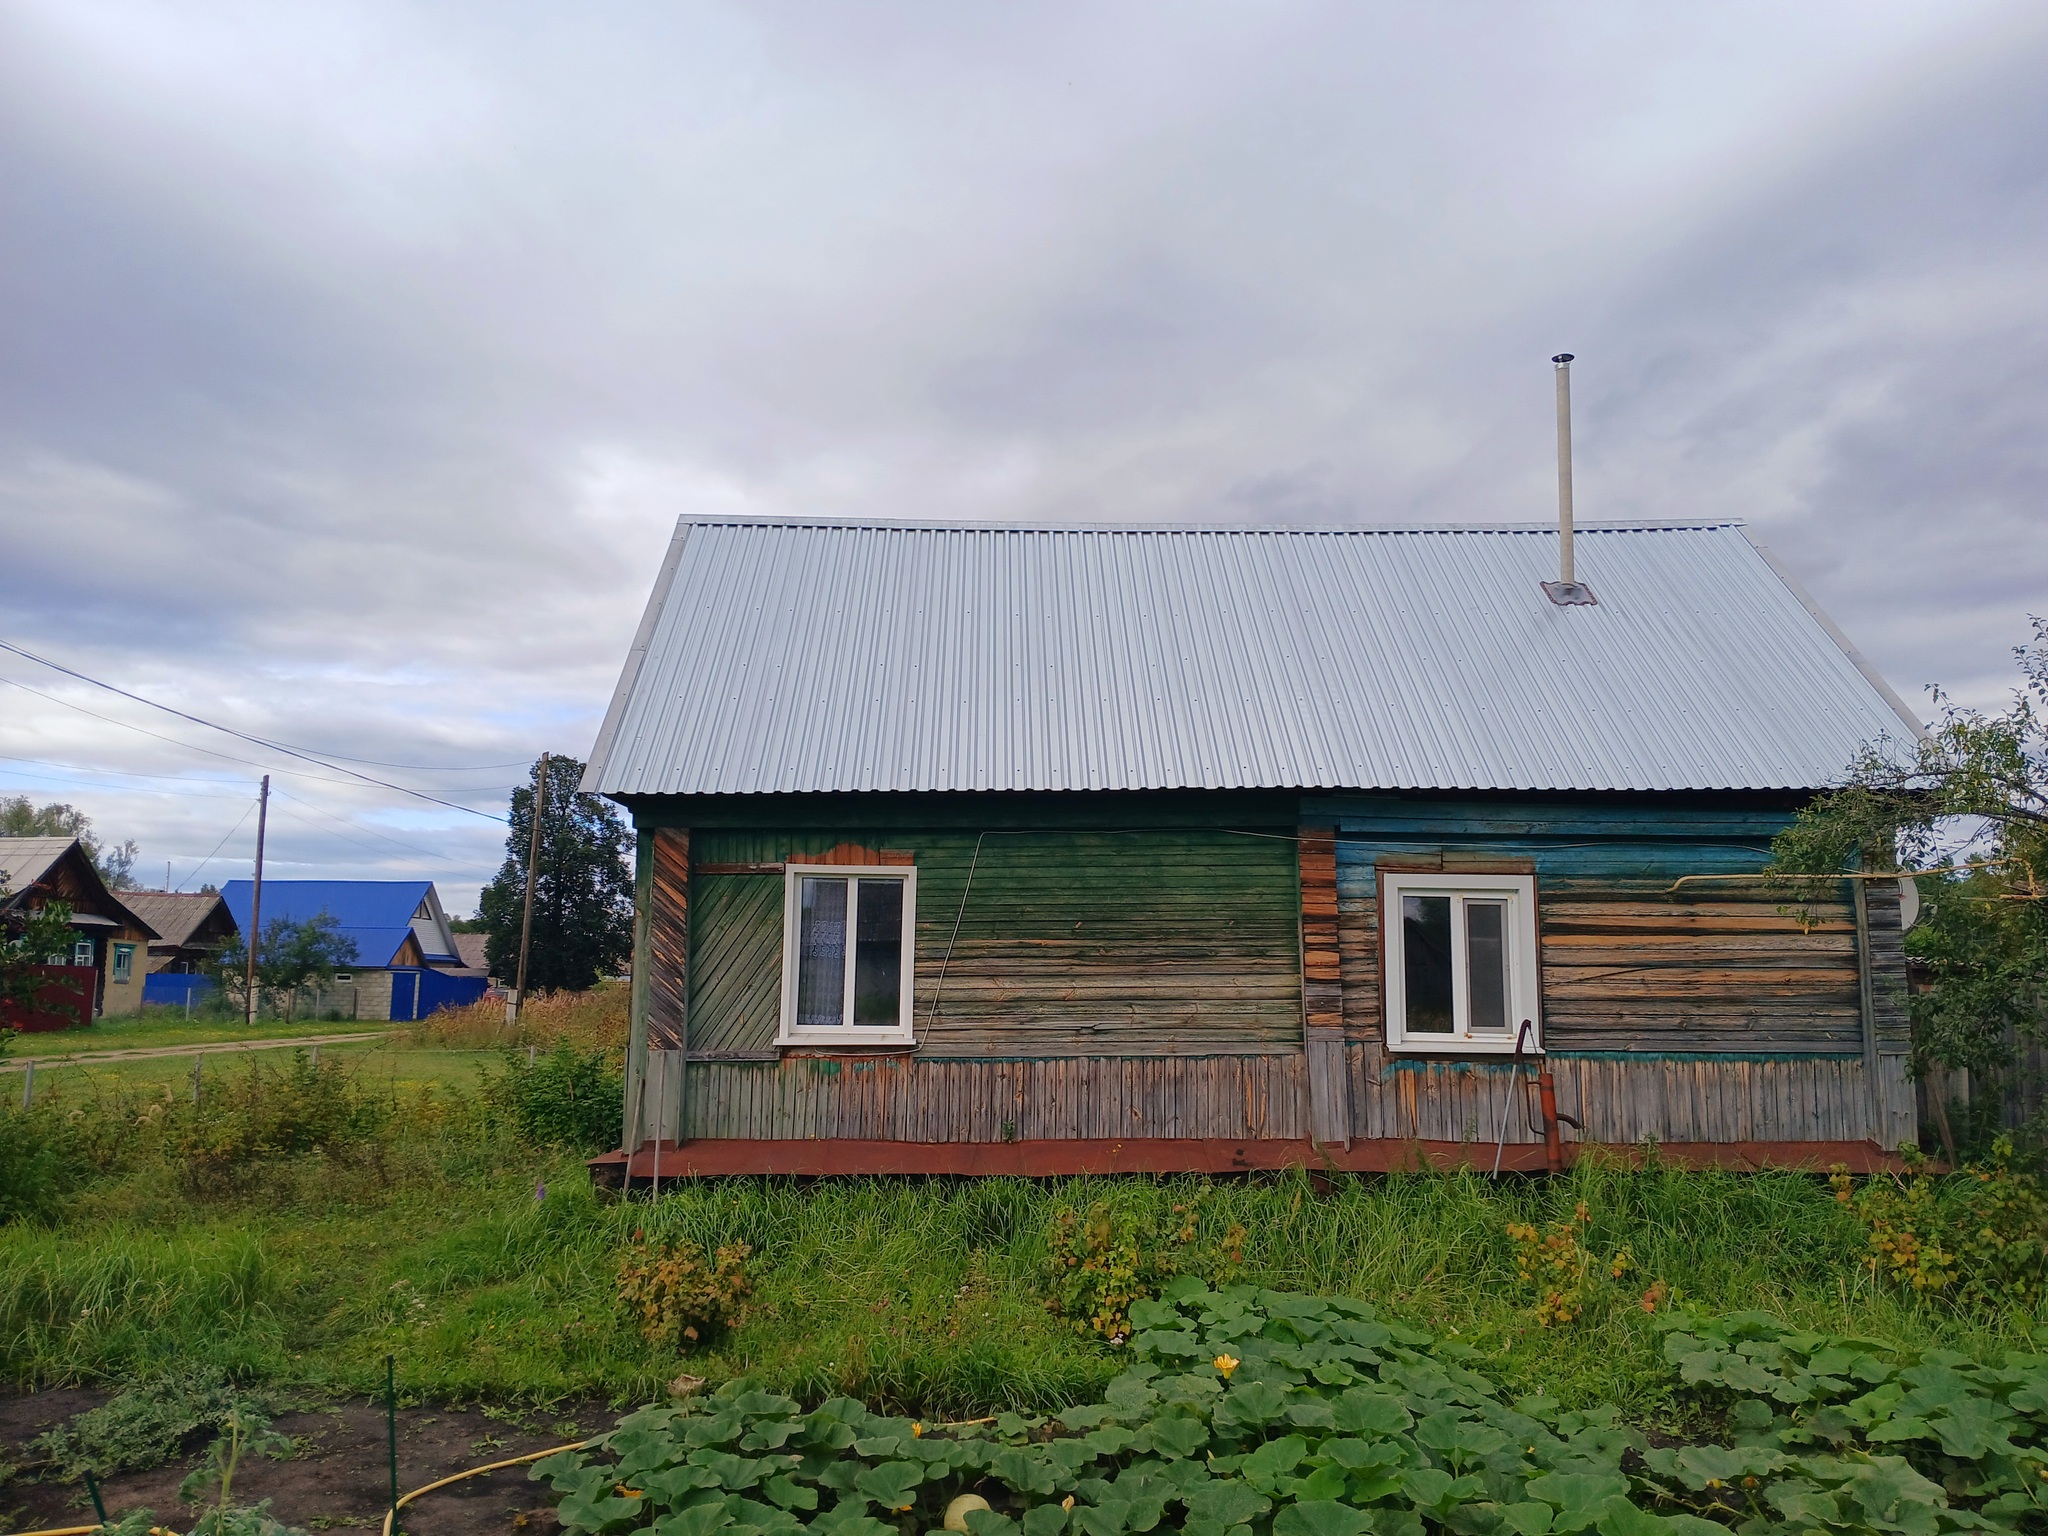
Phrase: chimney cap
(1562,357)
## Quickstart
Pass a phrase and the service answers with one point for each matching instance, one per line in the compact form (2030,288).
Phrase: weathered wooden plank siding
(1068,943)
(668,939)
(1062,1099)
(1622,1100)
(1629,964)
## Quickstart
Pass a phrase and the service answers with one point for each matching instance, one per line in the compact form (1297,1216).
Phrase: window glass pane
(878,954)
(1486,962)
(1426,963)
(821,954)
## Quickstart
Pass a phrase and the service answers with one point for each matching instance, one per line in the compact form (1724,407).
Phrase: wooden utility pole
(256,897)
(540,807)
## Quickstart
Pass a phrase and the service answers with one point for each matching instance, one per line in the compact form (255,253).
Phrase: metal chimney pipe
(1567,591)
(1565,576)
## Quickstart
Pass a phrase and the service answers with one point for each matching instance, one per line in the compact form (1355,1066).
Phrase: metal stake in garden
(256,898)
(391,1427)
(540,806)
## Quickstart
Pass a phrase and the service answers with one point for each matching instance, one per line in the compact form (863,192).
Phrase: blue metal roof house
(1047,850)
(404,946)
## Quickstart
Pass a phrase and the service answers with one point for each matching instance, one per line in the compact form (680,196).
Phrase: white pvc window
(1460,961)
(847,954)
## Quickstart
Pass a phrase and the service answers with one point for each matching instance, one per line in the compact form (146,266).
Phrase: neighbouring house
(1048,850)
(470,951)
(109,956)
(192,927)
(407,964)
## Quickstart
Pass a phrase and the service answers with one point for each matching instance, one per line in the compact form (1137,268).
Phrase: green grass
(157,1027)
(428,1242)
(401,1068)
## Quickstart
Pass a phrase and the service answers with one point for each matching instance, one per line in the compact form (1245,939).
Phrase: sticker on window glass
(1486,962)
(1426,963)
(878,953)
(821,954)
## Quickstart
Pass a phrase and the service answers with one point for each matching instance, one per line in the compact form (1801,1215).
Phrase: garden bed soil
(340,1479)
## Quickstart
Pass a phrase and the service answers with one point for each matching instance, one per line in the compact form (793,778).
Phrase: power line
(372,831)
(317,754)
(44,778)
(219,845)
(227,730)
(183,746)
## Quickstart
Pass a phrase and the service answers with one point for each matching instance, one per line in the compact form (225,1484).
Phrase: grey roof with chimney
(787,656)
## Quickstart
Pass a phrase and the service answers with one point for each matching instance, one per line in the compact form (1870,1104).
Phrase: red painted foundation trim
(1057,1159)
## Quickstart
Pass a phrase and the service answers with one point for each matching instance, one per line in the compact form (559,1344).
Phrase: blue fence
(415,994)
(175,988)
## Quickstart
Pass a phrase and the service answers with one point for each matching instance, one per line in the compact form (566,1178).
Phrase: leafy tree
(28,940)
(20,817)
(582,893)
(292,954)
(1966,809)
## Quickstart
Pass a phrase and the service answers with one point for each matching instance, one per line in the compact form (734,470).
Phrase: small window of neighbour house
(1460,961)
(343,978)
(81,951)
(847,954)
(124,962)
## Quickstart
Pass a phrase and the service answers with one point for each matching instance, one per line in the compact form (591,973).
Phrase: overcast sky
(355,360)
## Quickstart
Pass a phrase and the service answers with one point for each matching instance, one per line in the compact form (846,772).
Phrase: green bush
(1979,1235)
(1115,1253)
(42,1161)
(564,1098)
(272,1112)
(677,1296)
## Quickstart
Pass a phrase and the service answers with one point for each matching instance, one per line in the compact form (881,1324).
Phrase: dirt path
(340,1480)
(204,1048)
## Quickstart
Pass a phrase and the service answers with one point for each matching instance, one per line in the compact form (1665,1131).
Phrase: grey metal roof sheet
(784,656)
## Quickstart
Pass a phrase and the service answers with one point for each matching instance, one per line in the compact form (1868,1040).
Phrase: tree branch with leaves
(1964,810)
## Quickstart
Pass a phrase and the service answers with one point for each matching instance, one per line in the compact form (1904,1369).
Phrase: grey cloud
(355,359)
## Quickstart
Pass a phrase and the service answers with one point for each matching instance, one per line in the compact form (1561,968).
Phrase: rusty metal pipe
(1546,1095)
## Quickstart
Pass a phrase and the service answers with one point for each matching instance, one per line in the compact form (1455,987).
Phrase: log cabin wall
(1201,968)
(1716,1011)
(1085,967)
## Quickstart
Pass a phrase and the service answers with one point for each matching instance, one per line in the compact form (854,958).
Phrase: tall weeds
(439,1227)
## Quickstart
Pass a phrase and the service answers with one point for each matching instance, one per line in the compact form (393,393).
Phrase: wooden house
(191,927)
(109,956)
(1003,849)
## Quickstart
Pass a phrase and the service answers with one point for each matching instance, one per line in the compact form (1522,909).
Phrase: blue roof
(377,914)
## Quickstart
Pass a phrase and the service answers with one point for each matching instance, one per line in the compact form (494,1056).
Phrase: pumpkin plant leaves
(1330,1421)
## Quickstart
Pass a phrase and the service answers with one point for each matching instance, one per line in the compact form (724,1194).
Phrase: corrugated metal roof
(377,914)
(804,656)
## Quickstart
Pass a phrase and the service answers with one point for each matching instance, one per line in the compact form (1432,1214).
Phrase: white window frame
(1524,961)
(81,947)
(900,1033)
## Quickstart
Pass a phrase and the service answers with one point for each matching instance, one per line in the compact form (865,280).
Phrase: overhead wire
(43,778)
(231,831)
(359,827)
(185,746)
(228,730)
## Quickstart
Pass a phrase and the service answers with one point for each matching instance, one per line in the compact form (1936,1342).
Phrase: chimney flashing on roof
(1570,594)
